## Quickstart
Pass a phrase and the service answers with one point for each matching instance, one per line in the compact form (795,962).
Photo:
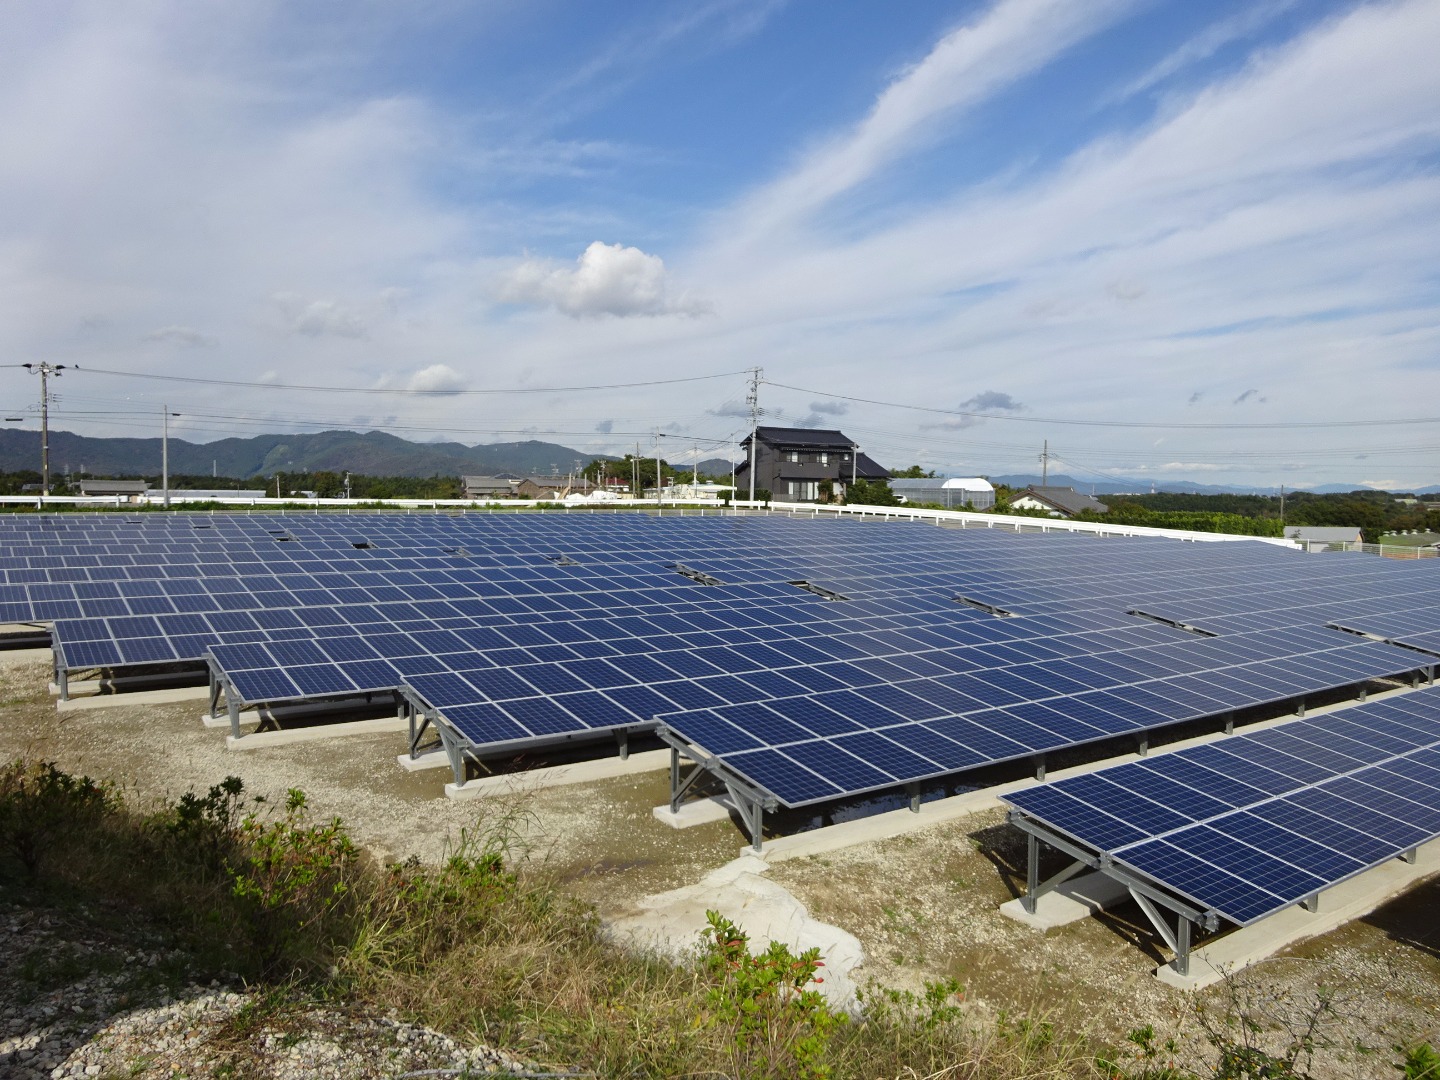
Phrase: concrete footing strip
(579,772)
(139,698)
(259,740)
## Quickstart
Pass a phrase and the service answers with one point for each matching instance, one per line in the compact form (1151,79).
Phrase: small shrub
(40,806)
(778,1026)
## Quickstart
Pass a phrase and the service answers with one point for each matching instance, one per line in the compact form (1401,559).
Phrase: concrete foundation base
(1072,900)
(578,772)
(697,812)
(140,698)
(1349,900)
(259,740)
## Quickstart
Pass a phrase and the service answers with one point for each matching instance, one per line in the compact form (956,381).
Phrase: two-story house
(792,463)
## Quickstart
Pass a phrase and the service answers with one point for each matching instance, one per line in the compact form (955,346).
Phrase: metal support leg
(623,738)
(1032,872)
(1229,723)
(1040,767)
(1142,744)
(63,678)
(1410,855)
(1182,947)
(678,786)
(1300,707)
(233,704)
(1363,692)
(1311,903)
(914,790)
(214,696)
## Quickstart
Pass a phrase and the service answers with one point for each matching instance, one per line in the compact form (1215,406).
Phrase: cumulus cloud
(436,379)
(732,408)
(319,317)
(605,427)
(185,336)
(607,279)
(830,408)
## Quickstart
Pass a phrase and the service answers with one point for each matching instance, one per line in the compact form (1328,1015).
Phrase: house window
(824,459)
(792,455)
(804,490)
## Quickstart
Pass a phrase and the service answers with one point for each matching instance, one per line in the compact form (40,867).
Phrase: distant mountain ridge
(375,453)
(1121,486)
(372,453)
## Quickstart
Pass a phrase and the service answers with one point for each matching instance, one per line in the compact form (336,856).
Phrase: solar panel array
(950,648)
(1246,827)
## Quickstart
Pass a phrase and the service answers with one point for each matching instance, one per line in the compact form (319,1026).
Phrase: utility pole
(44,369)
(165,414)
(695,477)
(1282,504)
(854,463)
(347,484)
(1045,465)
(753,400)
(659,490)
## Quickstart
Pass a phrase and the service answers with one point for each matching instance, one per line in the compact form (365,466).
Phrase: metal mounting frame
(1147,894)
(751,802)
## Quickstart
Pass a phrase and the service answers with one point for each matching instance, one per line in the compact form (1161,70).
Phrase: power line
(403,392)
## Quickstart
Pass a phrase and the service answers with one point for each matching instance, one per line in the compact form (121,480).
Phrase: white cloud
(1209,41)
(1011,39)
(320,317)
(436,379)
(607,279)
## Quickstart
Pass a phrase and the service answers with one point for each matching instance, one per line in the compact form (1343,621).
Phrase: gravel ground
(924,906)
(75,1005)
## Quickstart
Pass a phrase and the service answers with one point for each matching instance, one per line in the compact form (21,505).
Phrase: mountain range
(375,453)
(371,453)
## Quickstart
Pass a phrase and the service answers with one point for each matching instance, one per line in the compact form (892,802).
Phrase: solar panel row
(1262,821)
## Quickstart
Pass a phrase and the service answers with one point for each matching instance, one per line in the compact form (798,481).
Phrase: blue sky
(1165,236)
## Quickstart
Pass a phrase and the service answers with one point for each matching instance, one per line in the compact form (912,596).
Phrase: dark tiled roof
(820,438)
(1065,499)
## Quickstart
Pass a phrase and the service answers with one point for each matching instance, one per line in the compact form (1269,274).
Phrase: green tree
(870,493)
(914,472)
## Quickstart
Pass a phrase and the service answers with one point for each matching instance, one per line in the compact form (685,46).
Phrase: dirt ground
(924,905)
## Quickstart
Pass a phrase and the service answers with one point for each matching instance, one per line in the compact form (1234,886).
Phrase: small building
(551,487)
(488,487)
(792,463)
(1062,502)
(132,490)
(956,493)
(1338,536)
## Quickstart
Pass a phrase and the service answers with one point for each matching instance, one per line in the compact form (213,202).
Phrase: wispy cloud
(1011,39)
(1253,18)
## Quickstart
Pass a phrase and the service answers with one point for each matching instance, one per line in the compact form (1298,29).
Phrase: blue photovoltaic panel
(1262,821)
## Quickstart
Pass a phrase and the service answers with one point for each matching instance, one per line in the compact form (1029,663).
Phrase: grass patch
(483,945)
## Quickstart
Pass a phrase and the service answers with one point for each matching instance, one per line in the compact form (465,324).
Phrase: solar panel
(1268,819)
